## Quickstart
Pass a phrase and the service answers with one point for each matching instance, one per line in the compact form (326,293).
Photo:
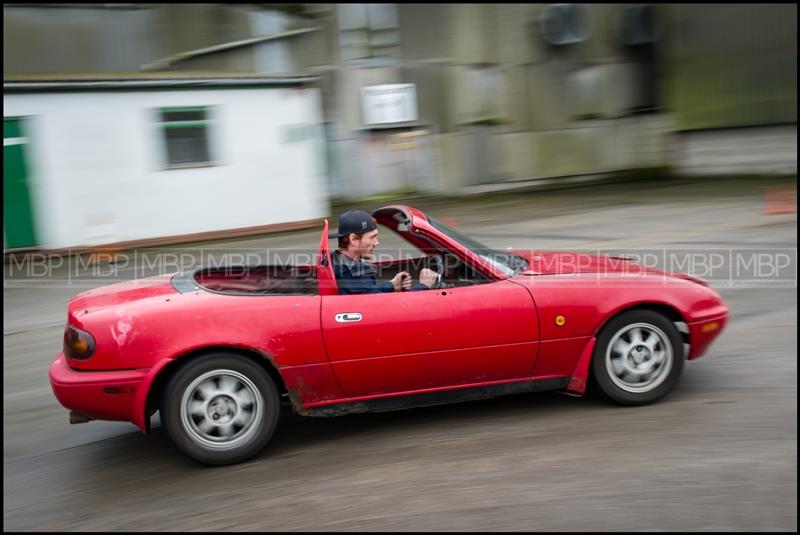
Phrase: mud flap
(580,376)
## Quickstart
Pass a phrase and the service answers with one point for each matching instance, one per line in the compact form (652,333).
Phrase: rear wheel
(220,408)
(638,358)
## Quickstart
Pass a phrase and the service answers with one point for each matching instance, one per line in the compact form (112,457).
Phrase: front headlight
(78,344)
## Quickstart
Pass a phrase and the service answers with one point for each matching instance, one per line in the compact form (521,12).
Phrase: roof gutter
(164,63)
(140,84)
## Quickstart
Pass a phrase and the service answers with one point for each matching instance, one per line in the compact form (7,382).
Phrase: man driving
(358,237)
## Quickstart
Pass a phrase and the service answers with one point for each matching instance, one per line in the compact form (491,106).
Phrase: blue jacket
(359,277)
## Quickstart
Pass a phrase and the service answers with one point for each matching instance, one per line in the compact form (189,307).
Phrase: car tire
(220,408)
(638,358)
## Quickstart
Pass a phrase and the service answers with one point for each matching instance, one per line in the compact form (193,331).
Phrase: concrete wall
(78,39)
(756,150)
(497,100)
(731,65)
(61,38)
(99,172)
(599,146)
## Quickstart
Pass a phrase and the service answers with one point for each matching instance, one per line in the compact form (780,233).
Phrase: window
(368,30)
(565,24)
(186,137)
(638,33)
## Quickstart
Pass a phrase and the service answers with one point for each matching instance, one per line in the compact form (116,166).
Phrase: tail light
(78,344)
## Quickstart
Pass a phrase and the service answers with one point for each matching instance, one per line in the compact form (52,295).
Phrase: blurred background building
(131,122)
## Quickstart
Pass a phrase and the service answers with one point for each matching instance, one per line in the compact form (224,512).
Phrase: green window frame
(185,131)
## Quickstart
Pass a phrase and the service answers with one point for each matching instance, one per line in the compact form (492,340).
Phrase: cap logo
(363,224)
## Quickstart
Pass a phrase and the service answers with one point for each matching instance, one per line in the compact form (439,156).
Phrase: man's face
(365,243)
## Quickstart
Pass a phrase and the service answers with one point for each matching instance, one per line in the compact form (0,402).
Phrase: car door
(410,341)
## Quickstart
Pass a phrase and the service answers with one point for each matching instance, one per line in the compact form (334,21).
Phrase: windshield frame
(507,262)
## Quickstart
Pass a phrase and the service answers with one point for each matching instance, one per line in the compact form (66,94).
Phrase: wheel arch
(666,310)
(156,390)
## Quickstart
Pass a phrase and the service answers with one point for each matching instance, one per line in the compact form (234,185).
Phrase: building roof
(145,80)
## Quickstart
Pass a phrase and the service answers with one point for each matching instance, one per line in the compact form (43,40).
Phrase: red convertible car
(219,350)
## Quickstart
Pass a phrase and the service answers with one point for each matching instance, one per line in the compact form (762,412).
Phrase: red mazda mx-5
(217,350)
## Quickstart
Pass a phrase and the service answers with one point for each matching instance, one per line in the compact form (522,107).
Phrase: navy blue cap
(355,222)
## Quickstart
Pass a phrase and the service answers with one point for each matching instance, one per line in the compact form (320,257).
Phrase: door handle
(348,317)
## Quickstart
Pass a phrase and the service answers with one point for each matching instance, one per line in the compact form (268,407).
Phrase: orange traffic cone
(449,221)
(781,200)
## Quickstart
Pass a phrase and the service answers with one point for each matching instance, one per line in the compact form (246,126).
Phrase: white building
(142,159)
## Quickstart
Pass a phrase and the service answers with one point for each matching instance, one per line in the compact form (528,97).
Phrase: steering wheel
(435,263)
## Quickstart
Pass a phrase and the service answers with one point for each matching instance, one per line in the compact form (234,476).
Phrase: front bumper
(110,395)
(703,332)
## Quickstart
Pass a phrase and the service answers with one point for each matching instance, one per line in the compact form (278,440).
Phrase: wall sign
(389,103)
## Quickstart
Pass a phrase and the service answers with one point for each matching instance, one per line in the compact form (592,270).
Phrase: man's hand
(401,281)
(428,277)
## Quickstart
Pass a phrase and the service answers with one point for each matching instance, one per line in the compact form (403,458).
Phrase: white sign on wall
(389,103)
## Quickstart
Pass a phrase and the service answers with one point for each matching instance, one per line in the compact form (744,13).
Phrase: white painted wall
(98,163)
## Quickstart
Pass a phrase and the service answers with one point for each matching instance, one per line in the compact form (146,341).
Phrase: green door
(17,214)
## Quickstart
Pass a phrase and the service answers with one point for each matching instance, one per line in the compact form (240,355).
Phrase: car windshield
(508,263)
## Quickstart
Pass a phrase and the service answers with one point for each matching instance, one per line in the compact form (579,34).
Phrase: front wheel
(638,358)
(220,408)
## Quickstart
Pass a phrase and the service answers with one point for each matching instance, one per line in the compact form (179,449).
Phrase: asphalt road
(719,453)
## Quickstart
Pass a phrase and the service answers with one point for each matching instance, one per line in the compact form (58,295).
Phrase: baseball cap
(355,222)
